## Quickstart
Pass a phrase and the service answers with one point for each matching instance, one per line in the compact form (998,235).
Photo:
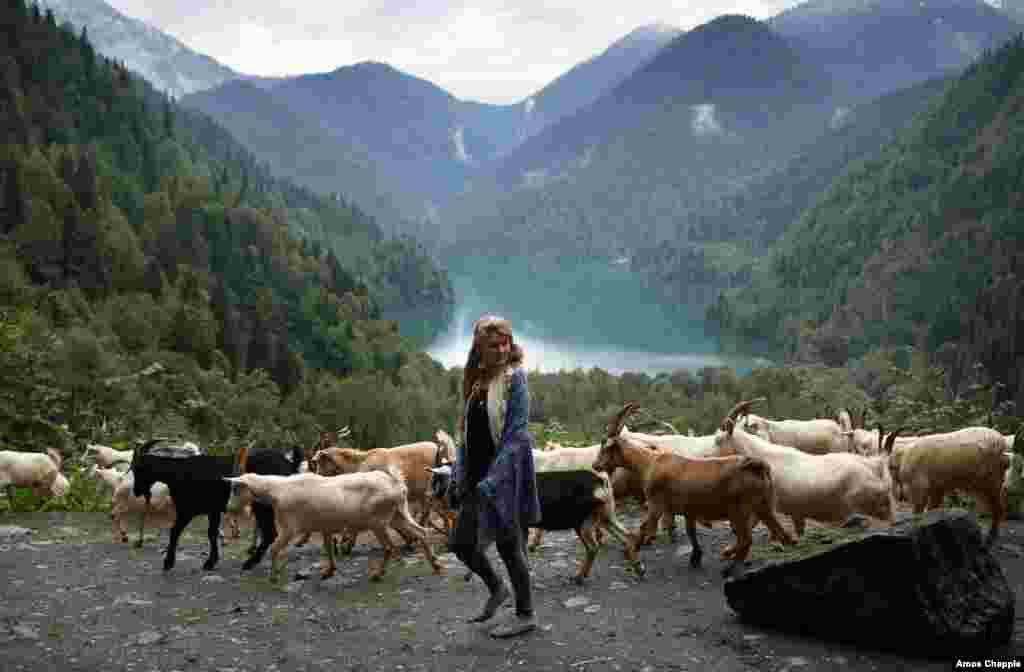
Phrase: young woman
(494,486)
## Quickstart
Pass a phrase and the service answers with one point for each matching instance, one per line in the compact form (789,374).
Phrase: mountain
(165,62)
(405,143)
(298,146)
(585,82)
(716,108)
(921,246)
(876,46)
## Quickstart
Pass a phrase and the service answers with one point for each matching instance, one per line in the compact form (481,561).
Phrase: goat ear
(728,425)
(889,440)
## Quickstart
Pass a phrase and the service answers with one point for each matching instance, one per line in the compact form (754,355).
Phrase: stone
(13,531)
(936,578)
(578,601)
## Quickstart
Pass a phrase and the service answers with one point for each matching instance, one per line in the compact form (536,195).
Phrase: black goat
(197,487)
(271,463)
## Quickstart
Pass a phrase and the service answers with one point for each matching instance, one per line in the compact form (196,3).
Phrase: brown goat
(734,488)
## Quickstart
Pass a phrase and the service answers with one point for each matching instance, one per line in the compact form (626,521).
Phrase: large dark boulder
(928,588)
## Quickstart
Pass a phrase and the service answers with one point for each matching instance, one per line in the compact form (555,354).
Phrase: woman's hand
(487,488)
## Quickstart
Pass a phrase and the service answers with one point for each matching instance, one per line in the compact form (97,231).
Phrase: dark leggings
(512,549)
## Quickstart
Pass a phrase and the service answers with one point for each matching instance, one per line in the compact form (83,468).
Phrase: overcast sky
(499,51)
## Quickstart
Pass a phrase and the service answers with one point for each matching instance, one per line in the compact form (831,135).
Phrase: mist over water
(452,348)
(577,324)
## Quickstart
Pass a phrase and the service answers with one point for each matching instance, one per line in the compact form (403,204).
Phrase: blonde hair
(474,373)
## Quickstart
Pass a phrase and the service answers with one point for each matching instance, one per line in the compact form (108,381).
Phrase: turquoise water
(593,314)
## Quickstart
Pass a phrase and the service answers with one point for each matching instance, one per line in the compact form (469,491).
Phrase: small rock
(10,531)
(26,630)
(1015,549)
(149,637)
(212,578)
(22,546)
(577,601)
(592,609)
(683,551)
(753,638)
(440,648)
(618,585)
(839,660)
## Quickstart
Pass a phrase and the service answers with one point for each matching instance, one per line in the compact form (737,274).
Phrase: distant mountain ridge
(425,142)
(874,47)
(164,61)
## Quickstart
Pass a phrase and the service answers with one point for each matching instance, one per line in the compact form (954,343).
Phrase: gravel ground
(74,600)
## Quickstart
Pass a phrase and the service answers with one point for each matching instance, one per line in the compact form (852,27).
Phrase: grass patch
(279,616)
(192,615)
(407,631)
(55,631)
(258,584)
(815,540)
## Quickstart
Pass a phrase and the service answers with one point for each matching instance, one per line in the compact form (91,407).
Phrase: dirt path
(73,600)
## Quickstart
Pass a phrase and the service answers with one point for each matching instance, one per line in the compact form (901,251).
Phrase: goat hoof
(578,579)
(208,566)
(695,560)
(247,565)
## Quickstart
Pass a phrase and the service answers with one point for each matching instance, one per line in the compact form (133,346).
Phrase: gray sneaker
(513,625)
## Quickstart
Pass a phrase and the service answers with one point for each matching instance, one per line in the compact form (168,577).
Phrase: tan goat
(413,461)
(973,459)
(372,500)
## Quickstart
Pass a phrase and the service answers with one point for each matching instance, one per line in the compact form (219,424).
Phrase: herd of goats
(750,470)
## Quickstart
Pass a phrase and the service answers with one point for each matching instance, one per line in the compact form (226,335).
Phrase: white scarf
(497,403)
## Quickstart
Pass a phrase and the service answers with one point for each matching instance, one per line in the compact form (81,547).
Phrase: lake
(593,315)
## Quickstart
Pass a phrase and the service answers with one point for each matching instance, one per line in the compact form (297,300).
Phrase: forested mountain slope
(923,245)
(133,231)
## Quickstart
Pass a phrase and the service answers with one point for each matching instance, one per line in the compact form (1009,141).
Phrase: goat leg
(376,573)
(620,534)
(586,534)
(404,526)
(172,545)
(142,529)
(213,534)
(691,532)
(327,570)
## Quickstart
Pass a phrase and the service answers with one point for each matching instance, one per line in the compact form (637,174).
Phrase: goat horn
(619,419)
(243,459)
(743,408)
(889,440)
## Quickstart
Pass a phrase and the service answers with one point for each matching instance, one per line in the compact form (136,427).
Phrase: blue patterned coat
(511,482)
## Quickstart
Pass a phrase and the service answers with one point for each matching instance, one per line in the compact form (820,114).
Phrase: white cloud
(495,51)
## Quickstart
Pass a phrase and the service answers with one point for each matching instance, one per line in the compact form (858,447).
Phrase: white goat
(106,457)
(373,500)
(817,437)
(825,487)
(160,514)
(39,471)
(973,459)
